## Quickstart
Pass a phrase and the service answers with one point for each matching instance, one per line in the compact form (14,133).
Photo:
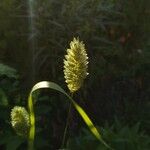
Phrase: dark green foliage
(117,37)
(120,137)
(9,96)
(7,71)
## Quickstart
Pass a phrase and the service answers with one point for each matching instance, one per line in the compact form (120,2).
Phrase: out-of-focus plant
(9,89)
(8,71)
(121,137)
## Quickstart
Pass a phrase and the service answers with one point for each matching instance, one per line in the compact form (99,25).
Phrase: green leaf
(54,86)
(3,98)
(8,71)
(14,142)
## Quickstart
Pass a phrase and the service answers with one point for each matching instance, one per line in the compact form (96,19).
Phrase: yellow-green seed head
(20,120)
(75,65)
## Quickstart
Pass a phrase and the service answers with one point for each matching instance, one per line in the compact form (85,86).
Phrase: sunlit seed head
(20,120)
(75,65)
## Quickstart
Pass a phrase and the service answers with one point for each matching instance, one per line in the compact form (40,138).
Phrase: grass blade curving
(54,86)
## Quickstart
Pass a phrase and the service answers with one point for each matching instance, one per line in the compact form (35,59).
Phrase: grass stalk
(67,124)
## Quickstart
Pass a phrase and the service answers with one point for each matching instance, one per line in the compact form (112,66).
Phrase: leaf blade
(54,86)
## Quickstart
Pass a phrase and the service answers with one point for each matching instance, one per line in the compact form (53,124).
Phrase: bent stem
(32,123)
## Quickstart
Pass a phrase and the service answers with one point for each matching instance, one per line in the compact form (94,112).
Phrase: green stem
(32,123)
(30,145)
(67,124)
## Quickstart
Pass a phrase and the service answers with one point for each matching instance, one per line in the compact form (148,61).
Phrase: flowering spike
(75,65)
(20,120)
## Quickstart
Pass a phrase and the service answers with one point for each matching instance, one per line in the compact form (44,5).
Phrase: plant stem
(32,123)
(67,125)
(30,145)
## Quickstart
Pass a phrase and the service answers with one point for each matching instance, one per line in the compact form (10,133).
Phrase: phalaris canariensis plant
(75,65)
(20,120)
(75,71)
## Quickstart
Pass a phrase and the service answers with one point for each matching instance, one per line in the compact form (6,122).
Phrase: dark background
(117,38)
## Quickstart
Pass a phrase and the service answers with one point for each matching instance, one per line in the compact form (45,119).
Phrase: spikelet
(20,120)
(75,65)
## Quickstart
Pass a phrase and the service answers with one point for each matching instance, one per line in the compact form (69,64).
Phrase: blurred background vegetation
(116,93)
